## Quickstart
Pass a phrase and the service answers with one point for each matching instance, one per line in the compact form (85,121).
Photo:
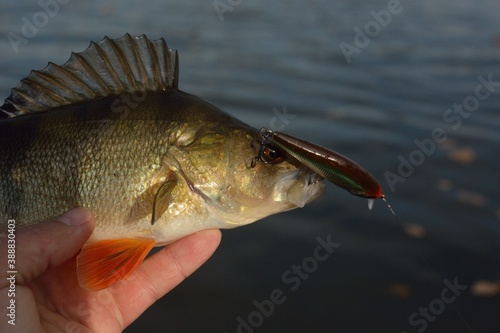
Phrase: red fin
(104,262)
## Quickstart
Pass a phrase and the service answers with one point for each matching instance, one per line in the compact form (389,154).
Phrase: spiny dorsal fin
(110,67)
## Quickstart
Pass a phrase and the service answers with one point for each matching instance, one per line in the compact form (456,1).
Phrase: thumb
(48,244)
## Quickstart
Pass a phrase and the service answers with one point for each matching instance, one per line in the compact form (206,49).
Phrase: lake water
(413,98)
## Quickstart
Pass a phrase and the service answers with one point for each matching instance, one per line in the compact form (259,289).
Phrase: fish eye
(272,154)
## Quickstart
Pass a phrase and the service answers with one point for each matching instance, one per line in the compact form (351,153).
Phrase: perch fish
(110,130)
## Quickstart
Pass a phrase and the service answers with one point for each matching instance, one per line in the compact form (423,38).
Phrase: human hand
(48,297)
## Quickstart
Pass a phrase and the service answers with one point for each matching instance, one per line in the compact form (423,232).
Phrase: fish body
(114,163)
(111,131)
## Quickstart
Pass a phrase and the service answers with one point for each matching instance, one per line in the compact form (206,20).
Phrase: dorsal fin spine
(136,81)
(109,67)
(140,63)
(122,60)
(156,65)
(53,80)
(169,60)
(60,73)
(175,79)
(78,57)
(61,76)
(23,95)
(48,94)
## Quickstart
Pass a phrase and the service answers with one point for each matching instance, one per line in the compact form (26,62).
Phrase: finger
(50,243)
(161,272)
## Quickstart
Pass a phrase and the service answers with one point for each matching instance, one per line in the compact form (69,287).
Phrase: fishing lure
(332,166)
(276,147)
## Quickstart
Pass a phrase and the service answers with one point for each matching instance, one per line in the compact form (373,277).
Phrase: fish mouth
(299,187)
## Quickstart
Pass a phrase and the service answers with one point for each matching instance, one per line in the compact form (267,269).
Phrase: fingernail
(75,217)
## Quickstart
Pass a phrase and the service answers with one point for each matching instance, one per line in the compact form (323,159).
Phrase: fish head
(220,164)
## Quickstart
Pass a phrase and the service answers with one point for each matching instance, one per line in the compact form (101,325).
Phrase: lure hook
(265,137)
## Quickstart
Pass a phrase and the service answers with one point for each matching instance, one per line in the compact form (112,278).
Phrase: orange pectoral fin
(102,263)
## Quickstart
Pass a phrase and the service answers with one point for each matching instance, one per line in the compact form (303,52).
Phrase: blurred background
(410,90)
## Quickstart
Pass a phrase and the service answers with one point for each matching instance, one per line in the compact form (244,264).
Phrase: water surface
(266,59)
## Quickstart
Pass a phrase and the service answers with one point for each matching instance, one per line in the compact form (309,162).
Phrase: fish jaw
(299,187)
(293,189)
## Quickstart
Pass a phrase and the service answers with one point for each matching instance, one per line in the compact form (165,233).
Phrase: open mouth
(299,187)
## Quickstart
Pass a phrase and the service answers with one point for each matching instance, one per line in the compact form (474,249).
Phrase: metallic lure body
(330,165)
